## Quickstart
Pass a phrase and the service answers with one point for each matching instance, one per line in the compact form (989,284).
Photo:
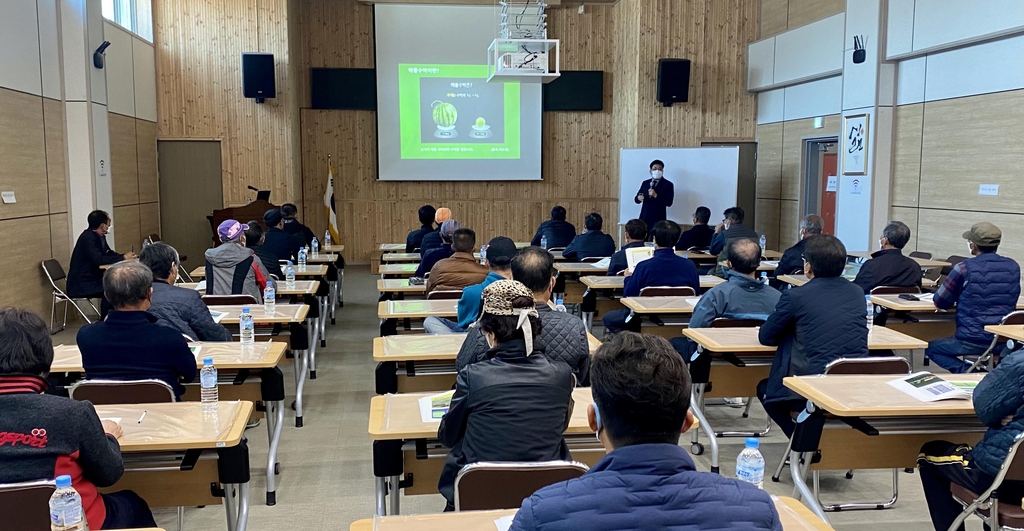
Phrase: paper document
(636,255)
(217,316)
(504,523)
(433,407)
(195,350)
(926,297)
(928,387)
(774,263)
(604,262)
(115,420)
(692,301)
(201,286)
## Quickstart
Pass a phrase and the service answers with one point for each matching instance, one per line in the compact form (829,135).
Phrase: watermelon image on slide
(444,115)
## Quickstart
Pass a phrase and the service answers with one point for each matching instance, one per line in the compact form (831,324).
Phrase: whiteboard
(702,176)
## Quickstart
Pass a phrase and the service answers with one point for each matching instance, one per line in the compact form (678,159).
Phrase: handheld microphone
(253,188)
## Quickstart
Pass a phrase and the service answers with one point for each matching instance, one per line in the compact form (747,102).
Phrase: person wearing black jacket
(254,241)
(812,325)
(730,228)
(85,278)
(415,238)
(277,242)
(792,260)
(558,231)
(888,267)
(45,436)
(636,235)
(293,227)
(592,242)
(514,406)
(698,237)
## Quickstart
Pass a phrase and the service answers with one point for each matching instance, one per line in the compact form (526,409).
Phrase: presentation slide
(438,119)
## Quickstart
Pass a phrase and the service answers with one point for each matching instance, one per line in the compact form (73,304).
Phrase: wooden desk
(391,247)
(581,268)
(617,282)
(312,270)
(892,425)
(302,287)
(399,285)
(660,305)
(397,270)
(925,263)
(400,257)
(926,322)
(1015,332)
(395,419)
(422,362)
(156,449)
(793,515)
(338,248)
(800,280)
(390,311)
(227,356)
(770,254)
(322,258)
(283,313)
(745,340)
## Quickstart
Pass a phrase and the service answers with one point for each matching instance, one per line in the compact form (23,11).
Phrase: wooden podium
(244,214)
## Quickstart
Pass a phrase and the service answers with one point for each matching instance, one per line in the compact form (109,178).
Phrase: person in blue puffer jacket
(641,391)
(999,403)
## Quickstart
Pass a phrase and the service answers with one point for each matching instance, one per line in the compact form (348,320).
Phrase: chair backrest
(1013,318)
(727,322)
(893,290)
(556,249)
(698,248)
(53,271)
(155,238)
(953,260)
(444,294)
(228,300)
(25,506)
(879,365)
(489,486)
(921,254)
(592,259)
(112,392)
(667,291)
(1014,463)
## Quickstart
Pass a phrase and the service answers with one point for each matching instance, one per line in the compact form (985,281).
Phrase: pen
(142,417)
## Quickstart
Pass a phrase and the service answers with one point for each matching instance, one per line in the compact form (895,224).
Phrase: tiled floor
(326,479)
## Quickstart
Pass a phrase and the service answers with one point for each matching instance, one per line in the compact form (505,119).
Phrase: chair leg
(782,462)
(746,411)
(53,313)
(181,517)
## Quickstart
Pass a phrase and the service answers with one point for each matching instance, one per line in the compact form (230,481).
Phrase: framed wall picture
(855,144)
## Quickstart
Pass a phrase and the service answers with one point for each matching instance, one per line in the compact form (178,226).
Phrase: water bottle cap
(207,361)
(558,301)
(753,442)
(63,481)
(867,297)
(245,309)
(289,262)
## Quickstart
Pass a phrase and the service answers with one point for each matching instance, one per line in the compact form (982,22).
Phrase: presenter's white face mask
(656,174)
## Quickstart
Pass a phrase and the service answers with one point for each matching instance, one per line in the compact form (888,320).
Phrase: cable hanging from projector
(522,52)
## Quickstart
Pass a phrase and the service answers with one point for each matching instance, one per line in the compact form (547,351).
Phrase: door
(190,190)
(829,179)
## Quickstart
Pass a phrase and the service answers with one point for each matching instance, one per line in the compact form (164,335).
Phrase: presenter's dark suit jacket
(655,209)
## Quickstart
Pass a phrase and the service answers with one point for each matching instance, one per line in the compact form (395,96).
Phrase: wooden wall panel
(126,228)
(789,224)
(727,109)
(149,219)
(124,160)
(774,17)
(332,34)
(145,134)
(56,155)
(769,161)
(23,152)
(767,220)
(60,241)
(972,141)
(909,216)
(906,166)
(23,282)
(803,12)
(939,232)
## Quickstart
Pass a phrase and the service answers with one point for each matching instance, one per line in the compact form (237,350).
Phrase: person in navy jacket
(641,391)
(592,242)
(664,269)
(656,195)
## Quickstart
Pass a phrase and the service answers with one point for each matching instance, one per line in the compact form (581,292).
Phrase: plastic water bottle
(246,328)
(289,275)
(560,306)
(269,298)
(483,255)
(750,464)
(315,245)
(327,238)
(66,513)
(544,241)
(145,243)
(764,277)
(763,242)
(302,259)
(208,392)
(870,311)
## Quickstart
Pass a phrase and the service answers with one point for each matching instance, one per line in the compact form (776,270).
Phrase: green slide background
(409,115)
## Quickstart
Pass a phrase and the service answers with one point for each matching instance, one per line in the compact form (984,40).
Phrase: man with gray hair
(178,308)
(128,344)
(888,266)
(792,260)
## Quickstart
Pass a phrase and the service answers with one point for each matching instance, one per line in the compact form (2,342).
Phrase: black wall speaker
(673,81)
(258,76)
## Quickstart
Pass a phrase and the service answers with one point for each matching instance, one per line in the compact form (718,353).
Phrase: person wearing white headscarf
(513,406)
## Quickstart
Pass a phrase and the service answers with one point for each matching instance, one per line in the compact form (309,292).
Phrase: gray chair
(445,294)
(55,273)
(113,392)
(228,300)
(25,506)
(921,254)
(491,486)
(668,291)
(986,504)
(989,356)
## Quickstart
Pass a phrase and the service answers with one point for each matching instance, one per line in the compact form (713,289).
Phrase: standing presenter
(656,195)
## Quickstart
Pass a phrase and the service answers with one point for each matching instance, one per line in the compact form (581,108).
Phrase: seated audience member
(559,232)
(730,228)
(698,237)
(636,235)
(592,242)
(461,269)
(434,256)
(500,251)
(128,344)
(984,289)
(432,240)
(73,440)
(415,238)
(999,404)
(888,267)
(812,325)
(85,278)
(231,268)
(254,241)
(646,481)
(664,269)
(792,260)
(512,406)
(741,296)
(293,227)
(563,336)
(276,241)
(178,308)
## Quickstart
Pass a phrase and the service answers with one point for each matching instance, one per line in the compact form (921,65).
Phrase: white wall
(19,41)
(917,27)
(130,73)
(806,100)
(993,66)
(807,53)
